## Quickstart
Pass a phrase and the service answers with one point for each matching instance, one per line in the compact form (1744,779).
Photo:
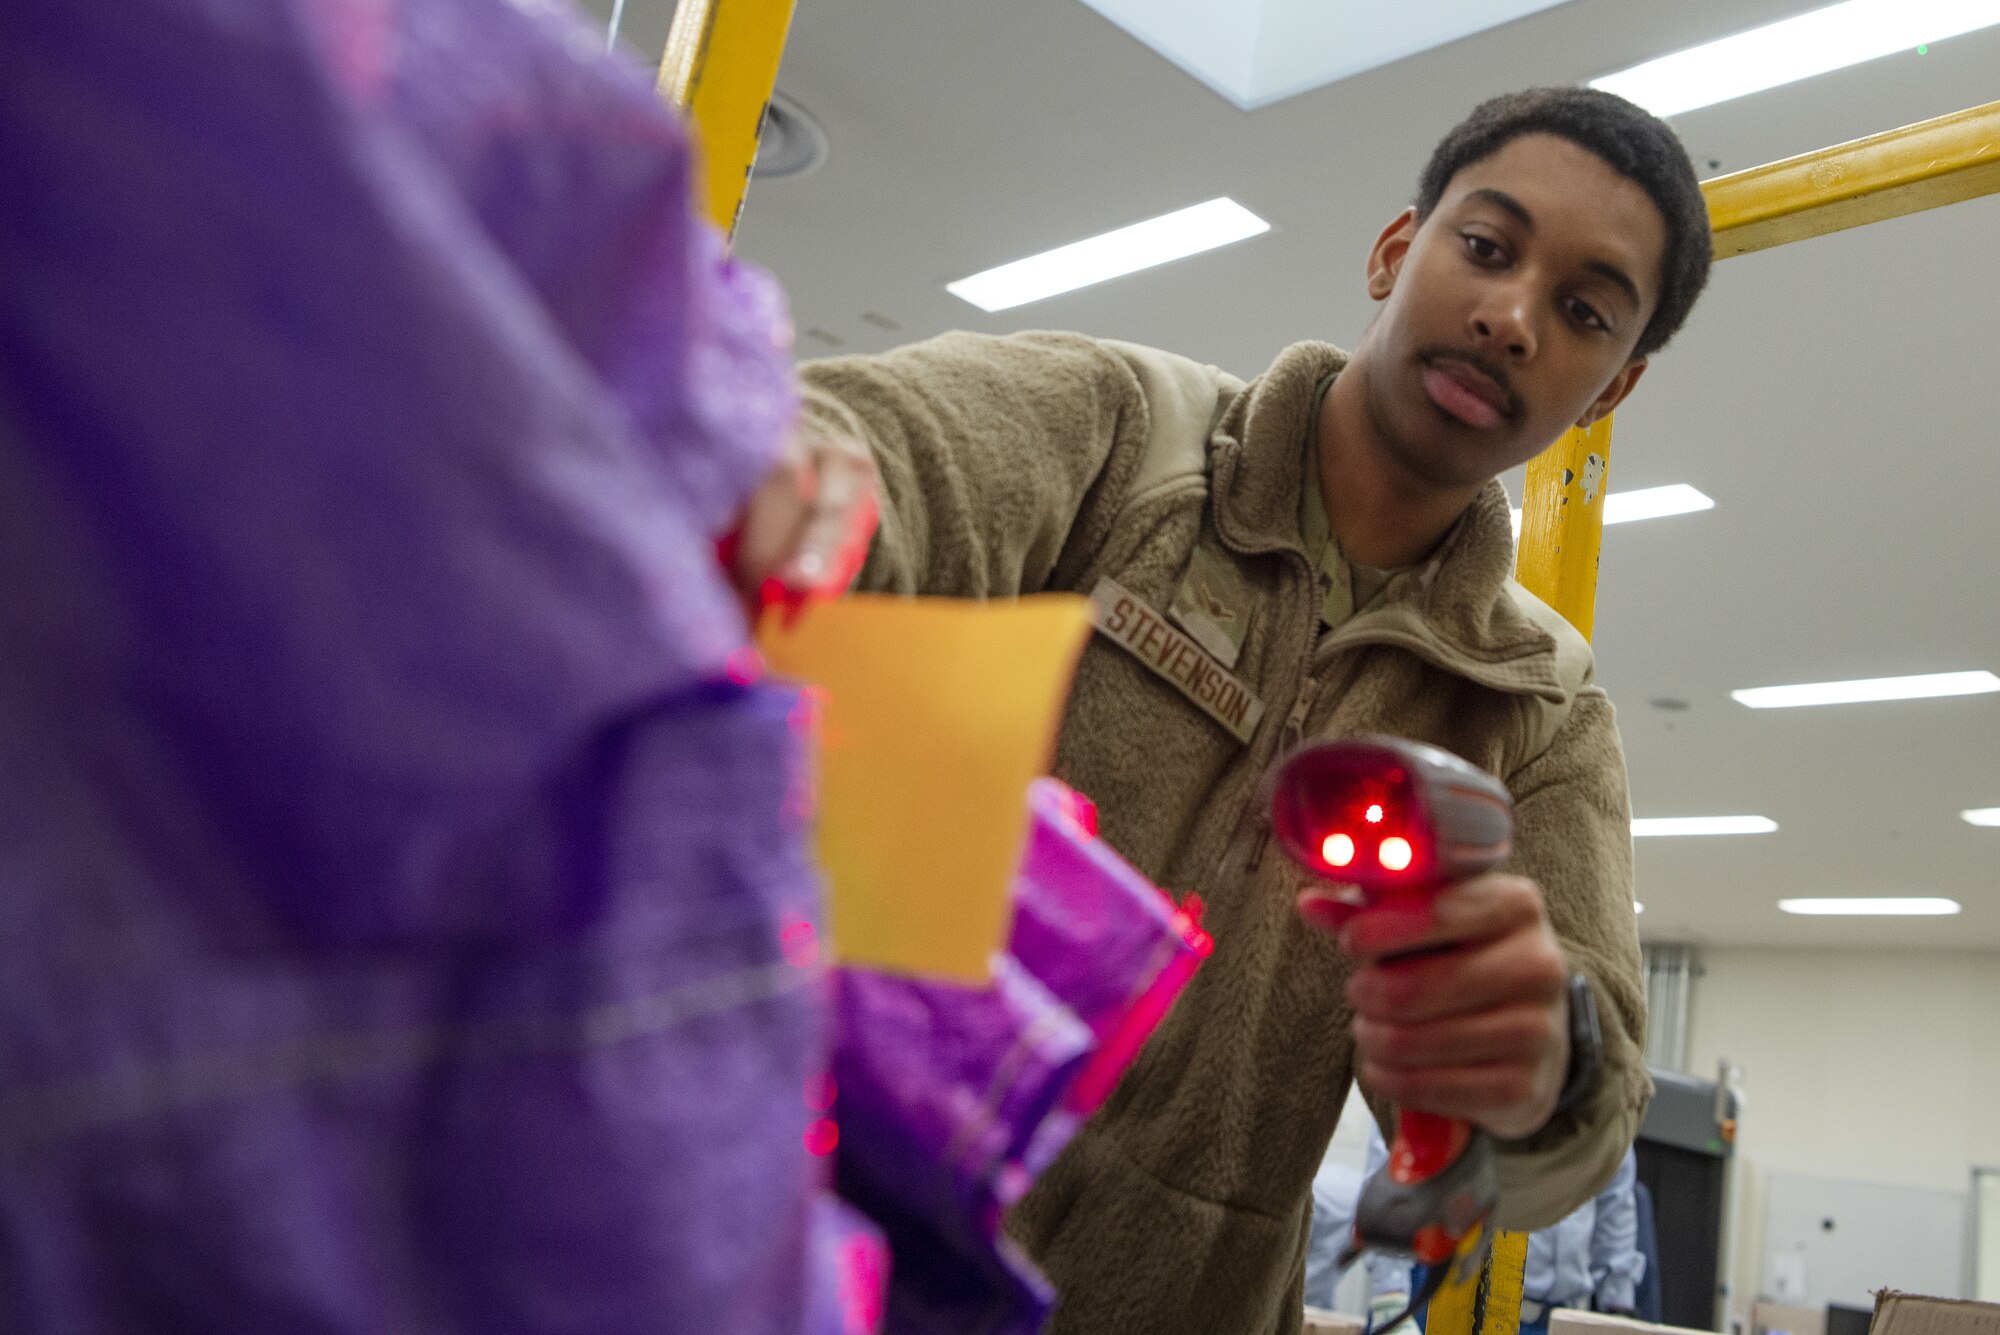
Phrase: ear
(1614,393)
(1385,261)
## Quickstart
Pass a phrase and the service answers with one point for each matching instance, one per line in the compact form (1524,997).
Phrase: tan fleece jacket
(1044,461)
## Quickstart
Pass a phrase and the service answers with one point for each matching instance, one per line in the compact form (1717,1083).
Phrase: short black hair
(1637,144)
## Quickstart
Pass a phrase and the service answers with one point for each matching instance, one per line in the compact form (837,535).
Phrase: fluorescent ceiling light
(1923,687)
(1644,827)
(1171,236)
(1982,816)
(1912,907)
(1793,49)
(1622,507)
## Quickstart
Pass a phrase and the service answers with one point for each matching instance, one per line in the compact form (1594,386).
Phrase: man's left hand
(805,530)
(1461,1006)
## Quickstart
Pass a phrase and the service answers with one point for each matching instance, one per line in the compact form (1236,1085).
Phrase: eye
(1483,249)
(1582,312)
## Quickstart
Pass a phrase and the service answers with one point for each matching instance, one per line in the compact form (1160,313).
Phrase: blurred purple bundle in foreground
(406,920)
(392,876)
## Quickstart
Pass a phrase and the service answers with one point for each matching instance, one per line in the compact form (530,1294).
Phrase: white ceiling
(1834,397)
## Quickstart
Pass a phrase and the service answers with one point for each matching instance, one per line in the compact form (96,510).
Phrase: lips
(1465,393)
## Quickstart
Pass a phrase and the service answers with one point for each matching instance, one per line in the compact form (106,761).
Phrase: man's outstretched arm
(993,459)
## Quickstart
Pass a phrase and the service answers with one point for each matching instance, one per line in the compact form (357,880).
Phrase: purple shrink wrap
(402,879)
(951,1099)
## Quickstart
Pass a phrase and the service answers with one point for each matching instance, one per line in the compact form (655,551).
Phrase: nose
(1501,322)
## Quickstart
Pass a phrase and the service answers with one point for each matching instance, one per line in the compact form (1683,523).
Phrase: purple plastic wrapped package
(404,877)
(952,1099)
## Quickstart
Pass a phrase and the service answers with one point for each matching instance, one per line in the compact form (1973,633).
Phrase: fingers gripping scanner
(1382,820)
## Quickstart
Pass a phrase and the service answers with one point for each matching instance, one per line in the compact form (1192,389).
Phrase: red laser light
(1338,850)
(822,1137)
(1395,853)
(1374,813)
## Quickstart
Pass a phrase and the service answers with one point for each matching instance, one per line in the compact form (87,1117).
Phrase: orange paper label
(936,714)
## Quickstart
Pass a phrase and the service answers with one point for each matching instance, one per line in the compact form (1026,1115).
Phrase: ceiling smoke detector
(792,142)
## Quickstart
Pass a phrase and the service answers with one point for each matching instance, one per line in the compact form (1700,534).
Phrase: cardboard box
(1319,1321)
(1908,1314)
(1780,1319)
(1571,1321)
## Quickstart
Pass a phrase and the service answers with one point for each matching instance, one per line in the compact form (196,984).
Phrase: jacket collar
(1456,610)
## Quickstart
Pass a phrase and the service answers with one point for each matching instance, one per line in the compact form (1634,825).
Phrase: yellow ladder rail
(1936,162)
(720,67)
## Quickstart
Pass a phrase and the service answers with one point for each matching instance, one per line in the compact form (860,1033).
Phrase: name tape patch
(1124,618)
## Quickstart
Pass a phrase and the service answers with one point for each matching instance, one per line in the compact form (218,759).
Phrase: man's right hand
(806,528)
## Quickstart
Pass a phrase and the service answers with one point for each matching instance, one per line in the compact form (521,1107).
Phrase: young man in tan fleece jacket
(1321,551)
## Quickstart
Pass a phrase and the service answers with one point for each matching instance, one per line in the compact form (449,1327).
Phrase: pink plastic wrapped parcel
(397,859)
(952,1099)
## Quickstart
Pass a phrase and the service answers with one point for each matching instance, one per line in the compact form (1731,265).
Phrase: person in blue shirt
(1336,1188)
(1590,1259)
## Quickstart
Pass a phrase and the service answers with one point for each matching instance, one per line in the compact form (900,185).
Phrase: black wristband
(1586,1046)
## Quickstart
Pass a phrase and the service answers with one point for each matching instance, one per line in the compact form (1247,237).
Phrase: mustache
(1441,352)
